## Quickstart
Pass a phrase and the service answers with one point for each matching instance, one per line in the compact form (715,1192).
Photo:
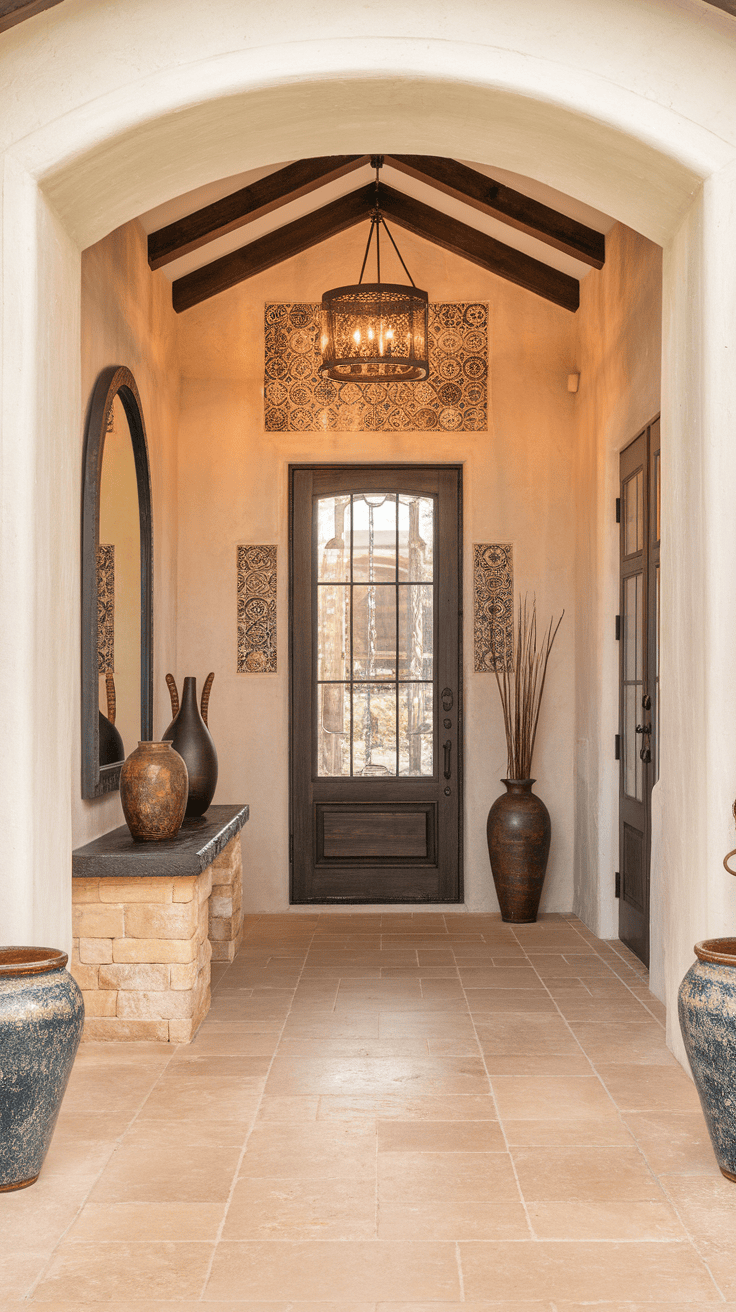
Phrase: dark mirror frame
(113,381)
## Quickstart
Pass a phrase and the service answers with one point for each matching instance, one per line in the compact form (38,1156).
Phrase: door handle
(645,755)
(447,749)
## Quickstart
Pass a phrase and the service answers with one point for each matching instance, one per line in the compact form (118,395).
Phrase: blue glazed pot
(41,1018)
(707,1007)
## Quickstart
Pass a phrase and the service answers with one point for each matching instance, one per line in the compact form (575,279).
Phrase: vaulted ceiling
(217,237)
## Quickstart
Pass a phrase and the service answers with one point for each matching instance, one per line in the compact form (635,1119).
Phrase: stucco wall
(619,347)
(127,319)
(233,488)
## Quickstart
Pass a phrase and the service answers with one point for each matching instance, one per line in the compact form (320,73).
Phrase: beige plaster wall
(127,319)
(618,354)
(233,488)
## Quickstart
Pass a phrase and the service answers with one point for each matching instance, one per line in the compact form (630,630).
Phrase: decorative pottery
(41,1018)
(707,1008)
(153,790)
(519,832)
(191,738)
(111,744)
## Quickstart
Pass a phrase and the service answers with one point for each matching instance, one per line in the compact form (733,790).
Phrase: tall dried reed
(521,685)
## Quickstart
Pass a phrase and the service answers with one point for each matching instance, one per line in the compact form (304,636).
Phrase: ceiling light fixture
(375,331)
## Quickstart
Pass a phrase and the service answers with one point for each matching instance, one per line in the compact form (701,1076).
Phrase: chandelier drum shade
(375,330)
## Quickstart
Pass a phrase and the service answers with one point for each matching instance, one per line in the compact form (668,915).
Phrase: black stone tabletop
(117,855)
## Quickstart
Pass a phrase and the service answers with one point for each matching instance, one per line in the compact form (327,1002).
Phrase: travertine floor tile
(99,1272)
(605,1220)
(674,1143)
(641,1088)
(440,1137)
(521,1097)
(446,1177)
(348,1270)
(450,1220)
(589,1272)
(288,1208)
(584,1175)
(312,1149)
(144,1173)
(129,1221)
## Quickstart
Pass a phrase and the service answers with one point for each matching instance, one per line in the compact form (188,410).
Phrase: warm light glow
(356,336)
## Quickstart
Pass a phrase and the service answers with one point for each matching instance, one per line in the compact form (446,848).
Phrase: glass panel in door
(375,635)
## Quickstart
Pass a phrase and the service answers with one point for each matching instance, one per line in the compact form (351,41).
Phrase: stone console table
(148,917)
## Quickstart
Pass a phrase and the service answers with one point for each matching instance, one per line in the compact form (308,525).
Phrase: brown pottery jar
(154,786)
(519,832)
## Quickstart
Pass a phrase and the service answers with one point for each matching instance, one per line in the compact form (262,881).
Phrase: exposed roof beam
(416,217)
(247,204)
(16,11)
(500,202)
(480,249)
(728,6)
(272,249)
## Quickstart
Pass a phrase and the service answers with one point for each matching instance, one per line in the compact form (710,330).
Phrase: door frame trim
(402,465)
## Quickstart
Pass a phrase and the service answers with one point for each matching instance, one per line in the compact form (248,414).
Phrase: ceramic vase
(191,738)
(41,1018)
(111,744)
(707,1009)
(153,790)
(519,832)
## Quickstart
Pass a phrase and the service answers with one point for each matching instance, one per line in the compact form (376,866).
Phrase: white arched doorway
(154,100)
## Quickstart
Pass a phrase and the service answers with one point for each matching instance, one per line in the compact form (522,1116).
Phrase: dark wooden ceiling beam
(16,11)
(247,204)
(480,249)
(500,202)
(265,252)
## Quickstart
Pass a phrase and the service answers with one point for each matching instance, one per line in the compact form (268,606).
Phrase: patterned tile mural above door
(453,399)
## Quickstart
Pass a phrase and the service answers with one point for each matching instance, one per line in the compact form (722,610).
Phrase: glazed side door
(639,680)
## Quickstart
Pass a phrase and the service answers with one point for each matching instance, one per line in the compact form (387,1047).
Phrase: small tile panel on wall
(106,608)
(454,398)
(256,568)
(493,606)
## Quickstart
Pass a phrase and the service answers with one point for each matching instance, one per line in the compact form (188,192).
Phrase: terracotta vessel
(707,1009)
(153,790)
(191,738)
(41,1018)
(519,832)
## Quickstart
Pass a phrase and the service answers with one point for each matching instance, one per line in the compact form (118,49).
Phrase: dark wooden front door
(639,664)
(376,725)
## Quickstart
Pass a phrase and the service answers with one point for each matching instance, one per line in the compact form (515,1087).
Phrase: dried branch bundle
(521,685)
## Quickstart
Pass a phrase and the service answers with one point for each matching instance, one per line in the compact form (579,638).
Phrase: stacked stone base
(226,903)
(142,951)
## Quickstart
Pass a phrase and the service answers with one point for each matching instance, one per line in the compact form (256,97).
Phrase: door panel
(375,633)
(639,680)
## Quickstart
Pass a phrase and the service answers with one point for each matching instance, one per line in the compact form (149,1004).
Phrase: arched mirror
(117,583)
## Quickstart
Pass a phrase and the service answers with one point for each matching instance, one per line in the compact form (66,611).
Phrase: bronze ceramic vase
(154,786)
(191,738)
(519,832)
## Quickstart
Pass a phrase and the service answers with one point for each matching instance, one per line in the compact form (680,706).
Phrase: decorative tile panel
(256,610)
(106,608)
(452,399)
(493,606)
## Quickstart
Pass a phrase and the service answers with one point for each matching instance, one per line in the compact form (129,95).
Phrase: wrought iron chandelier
(375,331)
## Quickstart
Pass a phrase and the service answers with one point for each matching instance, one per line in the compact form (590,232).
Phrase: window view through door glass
(375,608)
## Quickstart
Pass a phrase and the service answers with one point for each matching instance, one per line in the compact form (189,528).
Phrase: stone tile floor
(387,1113)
